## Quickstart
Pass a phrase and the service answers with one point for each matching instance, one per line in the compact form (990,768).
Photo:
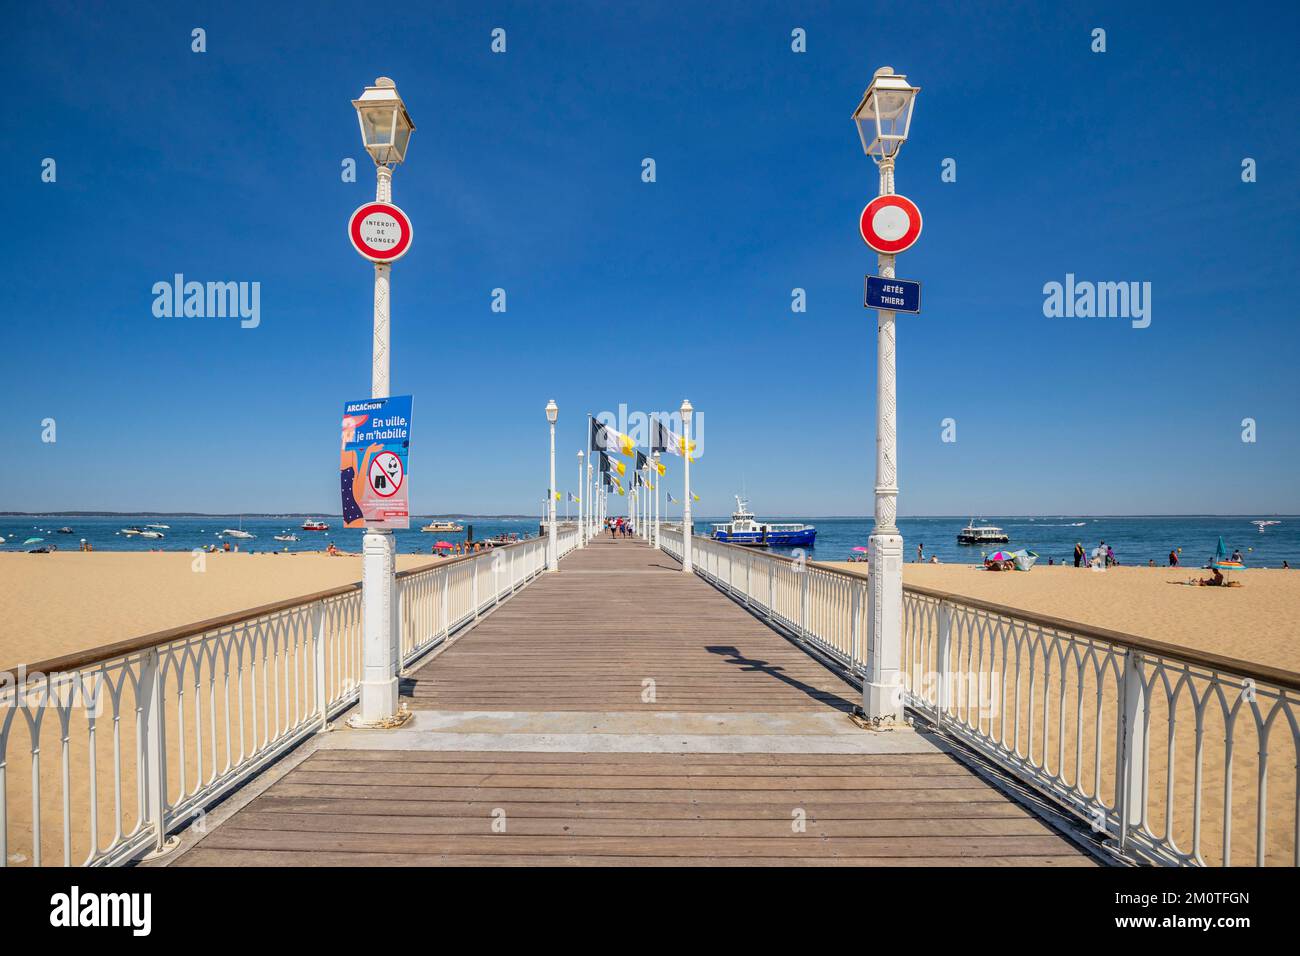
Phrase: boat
(286,537)
(237,532)
(131,532)
(69,531)
(313,525)
(152,534)
(160,527)
(1264,524)
(443,526)
(982,534)
(743,529)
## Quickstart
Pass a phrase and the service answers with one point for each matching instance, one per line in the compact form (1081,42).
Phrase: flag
(658,466)
(694,496)
(573,497)
(607,463)
(607,484)
(649,485)
(671,499)
(558,496)
(663,438)
(609,439)
(641,461)
(636,479)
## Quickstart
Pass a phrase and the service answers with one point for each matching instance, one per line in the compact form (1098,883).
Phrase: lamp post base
(378,698)
(882,686)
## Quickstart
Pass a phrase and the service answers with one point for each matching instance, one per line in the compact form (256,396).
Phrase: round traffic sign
(380,231)
(890,224)
(385,474)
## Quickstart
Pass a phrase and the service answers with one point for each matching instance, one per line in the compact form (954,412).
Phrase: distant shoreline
(458,514)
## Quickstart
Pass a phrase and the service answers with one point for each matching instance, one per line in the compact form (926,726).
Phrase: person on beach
(1173,558)
(920,551)
(1285,566)
(1110,557)
(1236,555)
(1078,553)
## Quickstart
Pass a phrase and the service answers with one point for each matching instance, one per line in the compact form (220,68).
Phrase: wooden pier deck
(621,712)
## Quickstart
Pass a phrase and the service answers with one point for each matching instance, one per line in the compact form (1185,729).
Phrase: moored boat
(443,526)
(982,534)
(313,525)
(743,529)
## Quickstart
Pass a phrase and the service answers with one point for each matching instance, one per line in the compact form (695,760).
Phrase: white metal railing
(1173,756)
(103,753)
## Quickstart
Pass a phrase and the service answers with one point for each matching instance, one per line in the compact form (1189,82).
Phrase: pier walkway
(621,712)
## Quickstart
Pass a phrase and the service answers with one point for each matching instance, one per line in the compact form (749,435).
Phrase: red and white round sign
(386,474)
(890,224)
(380,231)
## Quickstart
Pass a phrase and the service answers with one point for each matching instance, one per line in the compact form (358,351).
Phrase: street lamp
(582,526)
(687,529)
(386,127)
(883,119)
(655,456)
(552,547)
(386,130)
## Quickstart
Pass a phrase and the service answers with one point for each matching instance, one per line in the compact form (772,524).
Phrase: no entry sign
(890,224)
(380,231)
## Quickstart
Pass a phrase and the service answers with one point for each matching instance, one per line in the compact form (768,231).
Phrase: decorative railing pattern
(104,752)
(1171,755)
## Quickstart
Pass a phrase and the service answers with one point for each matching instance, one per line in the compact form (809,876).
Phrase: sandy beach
(1257,622)
(55,604)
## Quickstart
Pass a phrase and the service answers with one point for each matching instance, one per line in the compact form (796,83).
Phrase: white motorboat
(982,534)
(152,534)
(286,537)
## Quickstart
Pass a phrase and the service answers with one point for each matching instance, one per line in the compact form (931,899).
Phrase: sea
(1136,540)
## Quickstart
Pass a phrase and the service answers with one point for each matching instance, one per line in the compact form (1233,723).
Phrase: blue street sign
(898,295)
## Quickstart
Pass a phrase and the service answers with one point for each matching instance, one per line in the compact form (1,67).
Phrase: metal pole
(552,546)
(378,563)
(882,698)
(657,477)
(582,527)
(687,532)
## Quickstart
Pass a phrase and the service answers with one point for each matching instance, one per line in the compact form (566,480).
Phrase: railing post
(771,589)
(399,589)
(1130,797)
(749,569)
(803,602)
(446,616)
(855,608)
(474,588)
(942,654)
(321,658)
(155,745)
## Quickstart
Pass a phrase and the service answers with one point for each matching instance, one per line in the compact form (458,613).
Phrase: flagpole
(657,477)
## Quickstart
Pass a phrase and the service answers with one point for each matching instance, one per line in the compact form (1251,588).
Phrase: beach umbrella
(443,544)
(1002,556)
(860,549)
(32,541)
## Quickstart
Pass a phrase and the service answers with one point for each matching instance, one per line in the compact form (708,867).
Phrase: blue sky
(525,174)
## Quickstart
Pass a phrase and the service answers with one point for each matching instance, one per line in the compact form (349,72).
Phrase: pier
(620,712)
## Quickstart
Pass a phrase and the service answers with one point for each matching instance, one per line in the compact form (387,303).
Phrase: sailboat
(237,532)
(1261,525)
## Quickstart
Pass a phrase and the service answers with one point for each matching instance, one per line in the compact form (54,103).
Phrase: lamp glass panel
(377,122)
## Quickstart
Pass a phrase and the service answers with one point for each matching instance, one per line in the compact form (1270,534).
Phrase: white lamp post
(687,532)
(883,119)
(655,456)
(385,131)
(582,497)
(552,546)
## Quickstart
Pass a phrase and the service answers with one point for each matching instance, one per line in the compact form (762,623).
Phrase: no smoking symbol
(385,474)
